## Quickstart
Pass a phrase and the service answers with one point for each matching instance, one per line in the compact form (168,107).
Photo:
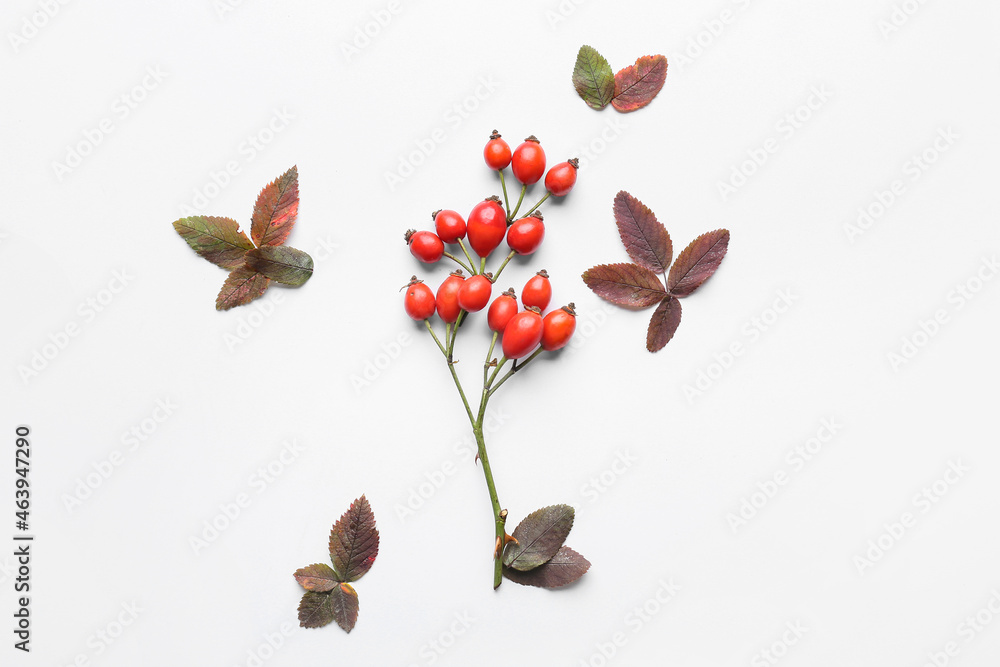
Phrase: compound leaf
(625,284)
(354,541)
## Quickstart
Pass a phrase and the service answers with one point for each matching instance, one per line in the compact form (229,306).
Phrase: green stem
(510,256)
(434,335)
(482,265)
(513,370)
(459,262)
(540,202)
(498,515)
(503,183)
(461,244)
(489,356)
(519,200)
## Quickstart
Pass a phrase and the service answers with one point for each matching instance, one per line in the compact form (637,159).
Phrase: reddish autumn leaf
(317,577)
(344,605)
(315,610)
(538,537)
(219,240)
(354,541)
(697,262)
(663,324)
(275,210)
(627,285)
(241,287)
(319,608)
(638,84)
(646,240)
(564,568)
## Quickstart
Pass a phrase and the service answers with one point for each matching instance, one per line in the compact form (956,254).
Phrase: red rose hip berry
(447,297)
(528,161)
(497,152)
(526,234)
(449,225)
(562,177)
(419,301)
(558,327)
(425,246)
(501,310)
(537,291)
(475,293)
(522,334)
(487,226)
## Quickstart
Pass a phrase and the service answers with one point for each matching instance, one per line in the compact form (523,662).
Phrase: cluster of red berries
(487,226)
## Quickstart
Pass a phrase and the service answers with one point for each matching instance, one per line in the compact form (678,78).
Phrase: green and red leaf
(241,287)
(318,577)
(646,240)
(354,541)
(219,240)
(338,604)
(315,610)
(344,605)
(593,78)
(564,568)
(276,208)
(662,325)
(638,84)
(281,264)
(538,537)
(625,284)
(697,262)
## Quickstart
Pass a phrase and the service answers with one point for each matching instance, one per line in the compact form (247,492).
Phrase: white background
(856,299)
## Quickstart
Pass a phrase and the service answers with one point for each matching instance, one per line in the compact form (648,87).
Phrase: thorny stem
(459,262)
(503,184)
(500,270)
(519,200)
(540,202)
(461,243)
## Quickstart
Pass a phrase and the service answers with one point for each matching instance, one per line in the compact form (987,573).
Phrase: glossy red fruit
(537,291)
(419,301)
(475,293)
(501,310)
(447,297)
(497,152)
(561,178)
(558,327)
(522,334)
(528,161)
(487,226)
(526,234)
(425,246)
(450,226)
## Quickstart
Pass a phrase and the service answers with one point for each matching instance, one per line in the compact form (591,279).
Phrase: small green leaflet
(593,79)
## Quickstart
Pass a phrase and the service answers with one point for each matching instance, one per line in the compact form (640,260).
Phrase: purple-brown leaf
(354,541)
(663,324)
(315,610)
(564,568)
(218,240)
(275,210)
(344,605)
(318,577)
(628,285)
(697,262)
(646,240)
(638,84)
(538,537)
(241,287)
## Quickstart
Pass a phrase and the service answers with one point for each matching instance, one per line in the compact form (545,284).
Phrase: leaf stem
(540,202)
(496,275)
(519,200)
(459,262)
